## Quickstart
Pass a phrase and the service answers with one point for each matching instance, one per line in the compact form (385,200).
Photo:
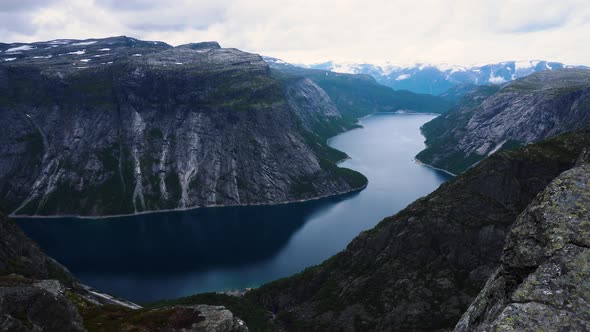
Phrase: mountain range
(437,79)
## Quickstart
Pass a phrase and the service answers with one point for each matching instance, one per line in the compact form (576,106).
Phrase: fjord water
(171,254)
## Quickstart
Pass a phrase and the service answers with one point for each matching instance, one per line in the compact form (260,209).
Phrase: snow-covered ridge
(438,78)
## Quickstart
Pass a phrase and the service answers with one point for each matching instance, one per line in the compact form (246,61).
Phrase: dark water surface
(172,254)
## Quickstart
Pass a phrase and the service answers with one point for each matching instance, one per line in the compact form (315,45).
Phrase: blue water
(172,254)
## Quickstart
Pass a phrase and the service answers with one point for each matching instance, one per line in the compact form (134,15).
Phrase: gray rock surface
(542,283)
(121,126)
(313,107)
(40,306)
(217,319)
(488,119)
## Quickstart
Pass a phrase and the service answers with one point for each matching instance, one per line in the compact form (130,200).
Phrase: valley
(173,254)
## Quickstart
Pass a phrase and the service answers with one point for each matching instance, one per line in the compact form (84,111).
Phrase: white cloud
(306,31)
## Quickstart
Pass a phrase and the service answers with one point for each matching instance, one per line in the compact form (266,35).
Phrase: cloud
(305,31)
(23,5)
(129,4)
(530,16)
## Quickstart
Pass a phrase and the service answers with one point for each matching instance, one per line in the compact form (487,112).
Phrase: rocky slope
(542,282)
(437,79)
(38,294)
(490,118)
(120,126)
(359,95)
(421,268)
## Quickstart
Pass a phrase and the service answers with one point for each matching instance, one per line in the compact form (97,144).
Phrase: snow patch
(60,42)
(84,43)
(344,68)
(42,57)
(450,68)
(136,54)
(78,52)
(522,65)
(403,77)
(85,60)
(20,49)
(496,79)
(104,49)
(9,59)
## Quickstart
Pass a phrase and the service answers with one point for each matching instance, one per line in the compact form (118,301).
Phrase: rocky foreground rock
(491,118)
(542,282)
(121,126)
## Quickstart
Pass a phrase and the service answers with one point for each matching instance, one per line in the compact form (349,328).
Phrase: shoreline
(351,191)
(434,167)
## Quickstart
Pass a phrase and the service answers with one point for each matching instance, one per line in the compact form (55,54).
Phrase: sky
(462,32)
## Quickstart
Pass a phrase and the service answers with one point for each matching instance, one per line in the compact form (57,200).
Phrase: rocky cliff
(121,126)
(421,268)
(542,282)
(491,118)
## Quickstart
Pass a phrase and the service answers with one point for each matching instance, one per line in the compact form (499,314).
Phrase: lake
(171,254)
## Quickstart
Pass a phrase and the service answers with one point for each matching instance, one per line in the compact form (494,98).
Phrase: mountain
(437,79)
(420,269)
(490,118)
(360,95)
(120,126)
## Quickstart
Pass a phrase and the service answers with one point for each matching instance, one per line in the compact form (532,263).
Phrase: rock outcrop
(492,118)
(543,280)
(121,126)
(421,268)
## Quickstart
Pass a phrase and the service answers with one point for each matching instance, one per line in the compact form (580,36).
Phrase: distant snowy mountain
(437,79)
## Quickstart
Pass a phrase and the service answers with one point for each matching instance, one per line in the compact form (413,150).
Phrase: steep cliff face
(527,110)
(313,106)
(421,268)
(119,126)
(543,280)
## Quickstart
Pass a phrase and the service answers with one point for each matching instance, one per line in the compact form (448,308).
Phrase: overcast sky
(308,31)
